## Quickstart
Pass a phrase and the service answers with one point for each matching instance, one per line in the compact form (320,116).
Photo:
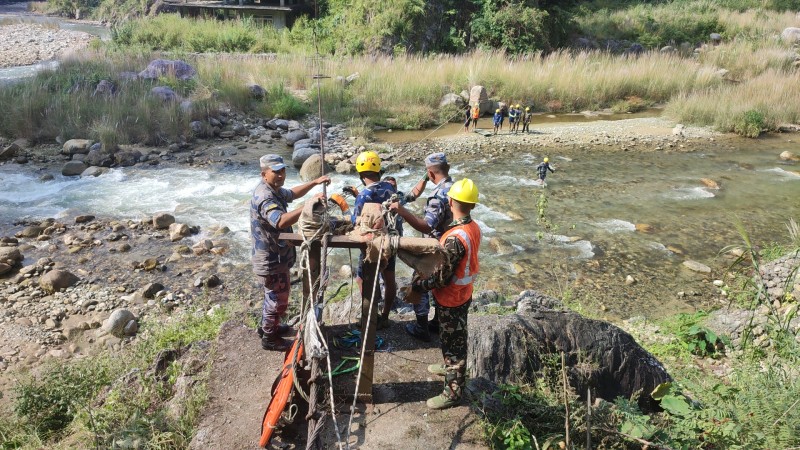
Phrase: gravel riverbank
(24,44)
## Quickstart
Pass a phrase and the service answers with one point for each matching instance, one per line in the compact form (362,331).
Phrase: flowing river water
(594,200)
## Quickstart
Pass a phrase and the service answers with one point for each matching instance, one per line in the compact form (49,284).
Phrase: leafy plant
(701,341)
(750,124)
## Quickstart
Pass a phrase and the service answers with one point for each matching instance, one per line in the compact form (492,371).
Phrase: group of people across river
(515,113)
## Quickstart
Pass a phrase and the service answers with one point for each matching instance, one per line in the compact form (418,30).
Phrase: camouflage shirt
(269,255)
(437,211)
(454,251)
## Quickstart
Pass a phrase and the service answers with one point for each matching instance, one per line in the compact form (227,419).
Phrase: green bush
(285,105)
(750,124)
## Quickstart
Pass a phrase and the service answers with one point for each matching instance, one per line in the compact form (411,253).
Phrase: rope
(394,239)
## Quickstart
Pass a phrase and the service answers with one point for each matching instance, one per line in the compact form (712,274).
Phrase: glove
(410,295)
(351,190)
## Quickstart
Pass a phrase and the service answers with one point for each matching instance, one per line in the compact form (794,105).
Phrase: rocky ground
(24,44)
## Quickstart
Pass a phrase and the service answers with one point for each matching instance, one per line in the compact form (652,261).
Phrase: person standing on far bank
(272,258)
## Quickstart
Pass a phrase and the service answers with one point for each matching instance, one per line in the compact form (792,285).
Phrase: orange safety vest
(476,113)
(459,290)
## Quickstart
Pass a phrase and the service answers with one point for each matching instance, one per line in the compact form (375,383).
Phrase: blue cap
(435,159)
(273,162)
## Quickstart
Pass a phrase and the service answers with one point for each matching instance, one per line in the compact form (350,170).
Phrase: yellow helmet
(527,108)
(464,191)
(517,105)
(546,159)
(497,110)
(368,162)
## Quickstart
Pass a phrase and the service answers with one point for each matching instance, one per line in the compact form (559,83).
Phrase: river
(594,201)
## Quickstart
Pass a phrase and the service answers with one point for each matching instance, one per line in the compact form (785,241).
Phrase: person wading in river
(271,257)
(452,286)
(437,217)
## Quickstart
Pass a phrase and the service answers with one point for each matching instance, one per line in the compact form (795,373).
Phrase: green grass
(114,402)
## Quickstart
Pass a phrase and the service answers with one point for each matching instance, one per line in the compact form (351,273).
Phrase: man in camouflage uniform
(271,257)
(452,286)
(436,221)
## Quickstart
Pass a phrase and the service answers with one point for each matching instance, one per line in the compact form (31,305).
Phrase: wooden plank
(335,241)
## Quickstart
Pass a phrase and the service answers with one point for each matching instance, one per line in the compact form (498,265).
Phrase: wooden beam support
(369,322)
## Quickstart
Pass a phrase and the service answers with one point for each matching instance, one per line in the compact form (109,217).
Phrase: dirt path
(243,373)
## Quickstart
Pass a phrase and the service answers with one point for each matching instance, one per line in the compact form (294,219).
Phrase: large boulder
(791,34)
(451,99)
(9,152)
(162,221)
(313,167)
(73,168)
(166,67)
(117,322)
(104,88)
(127,158)
(10,256)
(165,93)
(478,96)
(178,231)
(789,156)
(93,171)
(99,158)
(294,136)
(300,155)
(74,146)
(257,92)
(57,279)
(600,356)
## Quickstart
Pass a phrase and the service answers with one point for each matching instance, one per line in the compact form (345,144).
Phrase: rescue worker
(434,224)
(497,119)
(512,117)
(452,286)
(519,118)
(467,118)
(368,166)
(476,114)
(504,112)
(271,257)
(542,169)
(526,120)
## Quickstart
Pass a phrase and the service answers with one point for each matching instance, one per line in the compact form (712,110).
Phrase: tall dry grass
(774,94)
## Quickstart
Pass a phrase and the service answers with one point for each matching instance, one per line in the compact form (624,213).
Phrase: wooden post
(369,325)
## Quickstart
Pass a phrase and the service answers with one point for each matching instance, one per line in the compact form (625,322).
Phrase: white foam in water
(486,213)
(615,226)
(658,247)
(692,193)
(485,229)
(784,173)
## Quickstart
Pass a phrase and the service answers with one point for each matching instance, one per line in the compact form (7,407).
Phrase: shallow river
(594,200)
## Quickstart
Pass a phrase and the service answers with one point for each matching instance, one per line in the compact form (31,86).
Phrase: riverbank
(23,44)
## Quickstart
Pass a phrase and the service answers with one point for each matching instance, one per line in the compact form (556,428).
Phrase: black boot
(419,330)
(433,325)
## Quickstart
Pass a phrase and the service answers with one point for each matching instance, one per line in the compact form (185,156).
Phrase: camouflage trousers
(276,300)
(453,334)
